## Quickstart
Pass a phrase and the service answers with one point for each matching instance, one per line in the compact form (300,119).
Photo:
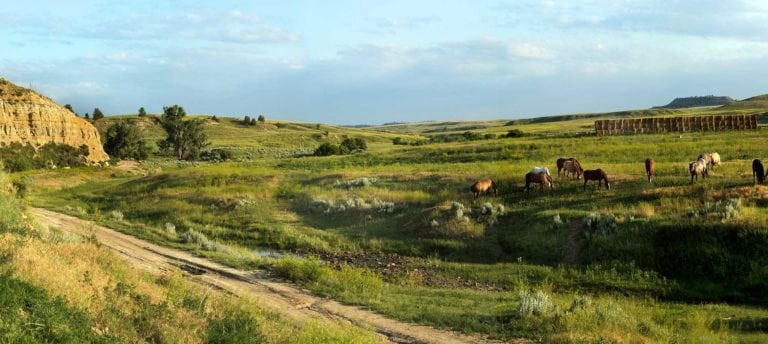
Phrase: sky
(371,62)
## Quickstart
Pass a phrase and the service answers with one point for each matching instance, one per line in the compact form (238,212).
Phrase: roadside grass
(68,289)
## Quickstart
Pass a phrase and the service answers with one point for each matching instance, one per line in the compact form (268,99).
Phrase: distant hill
(757,103)
(687,102)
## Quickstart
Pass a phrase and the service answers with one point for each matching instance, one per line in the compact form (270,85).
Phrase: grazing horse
(483,186)
(540,178)
(758,172)
(573,167)
(698,168)
(559,163)
(598,175)
(715,159)
(649,167)
(712,159)
(540,170)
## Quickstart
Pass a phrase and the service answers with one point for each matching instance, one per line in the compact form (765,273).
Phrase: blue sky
(355,62)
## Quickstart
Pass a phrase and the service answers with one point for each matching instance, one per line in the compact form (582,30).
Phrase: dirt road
(286,298)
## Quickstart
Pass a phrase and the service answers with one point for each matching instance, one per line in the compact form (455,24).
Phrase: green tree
(124,140)
(261,118)
(97,114)
(327,149)
(86,116)
(349,145)
(185,137)
(142,112)
(69,107)
(247,120)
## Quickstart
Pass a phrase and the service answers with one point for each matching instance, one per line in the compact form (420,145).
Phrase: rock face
(31,118)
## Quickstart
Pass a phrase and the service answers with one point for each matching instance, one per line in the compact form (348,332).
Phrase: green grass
(661,270)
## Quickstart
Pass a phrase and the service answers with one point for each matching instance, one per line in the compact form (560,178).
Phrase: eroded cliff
(29,117)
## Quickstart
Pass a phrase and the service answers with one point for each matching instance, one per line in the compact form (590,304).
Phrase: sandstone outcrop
(28,117)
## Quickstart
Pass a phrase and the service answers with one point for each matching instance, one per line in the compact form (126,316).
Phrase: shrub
(170,229)
(534,304)
(116,215)
(515,133)
(596,224)
(350,145)
(327,149)
(217,154)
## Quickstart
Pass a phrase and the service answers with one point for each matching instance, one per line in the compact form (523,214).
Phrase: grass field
(396,229)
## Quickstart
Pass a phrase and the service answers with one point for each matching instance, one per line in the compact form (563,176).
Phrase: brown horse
(560,162)
(758,172)
(540,178)
(649,167)
(598,175)
(573,167)
(483,186)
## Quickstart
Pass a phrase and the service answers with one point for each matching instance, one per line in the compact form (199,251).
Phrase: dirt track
(286,298)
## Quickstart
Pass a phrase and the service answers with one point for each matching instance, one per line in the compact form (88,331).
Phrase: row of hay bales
(675,124)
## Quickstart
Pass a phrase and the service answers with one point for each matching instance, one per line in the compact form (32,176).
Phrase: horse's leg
(585,184)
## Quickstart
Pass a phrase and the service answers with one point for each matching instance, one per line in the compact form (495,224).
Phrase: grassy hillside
(388,221)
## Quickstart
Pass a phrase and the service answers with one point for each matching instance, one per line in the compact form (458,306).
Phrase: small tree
(247,120)
(69,107)
(124,140)
(142,112)
(349,145)
(97,114)
(261,118)
(86,116)
(253,122)
(185,137)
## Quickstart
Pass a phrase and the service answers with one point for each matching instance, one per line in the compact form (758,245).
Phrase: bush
(217,154)
(515,133)
(534,304)
(17,157)
(349,145)
(327,149)
(116,215)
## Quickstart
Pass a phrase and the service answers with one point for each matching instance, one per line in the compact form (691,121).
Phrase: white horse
(540,170)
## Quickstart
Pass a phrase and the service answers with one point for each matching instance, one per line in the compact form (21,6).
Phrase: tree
(253,122)
(247,120)
(86,116)
(69,107)
(142,112)
(185,137)
(97,114)
(261,118)
(124,140)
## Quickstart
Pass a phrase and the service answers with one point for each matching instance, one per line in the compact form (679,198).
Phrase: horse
(560,162)
(540,178)
(573,167)
(715,159)
(649,167)
(758,172)
(598,175)
(540,170)
(483,186)
(712,159)
(698,168)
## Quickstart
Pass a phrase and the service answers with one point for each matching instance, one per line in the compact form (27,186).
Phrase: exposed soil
(286,298)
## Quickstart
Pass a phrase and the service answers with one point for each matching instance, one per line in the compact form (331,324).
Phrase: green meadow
(396,229)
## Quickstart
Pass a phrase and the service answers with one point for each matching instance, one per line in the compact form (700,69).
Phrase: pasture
(397,229)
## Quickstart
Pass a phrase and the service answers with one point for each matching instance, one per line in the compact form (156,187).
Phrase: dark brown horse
(540,178)
(598,175)
(758,172)
(483,186)
(649,167)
